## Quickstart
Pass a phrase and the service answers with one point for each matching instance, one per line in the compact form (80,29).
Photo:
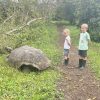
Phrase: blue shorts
(66,52)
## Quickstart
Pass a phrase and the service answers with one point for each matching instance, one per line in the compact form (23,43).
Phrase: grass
(94,56)
(15,85)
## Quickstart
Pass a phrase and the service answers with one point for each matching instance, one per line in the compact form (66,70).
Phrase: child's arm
(69,43)
(89,41)
(88,38)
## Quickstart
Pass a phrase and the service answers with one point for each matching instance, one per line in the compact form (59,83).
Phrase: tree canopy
(18,12)
(81,11)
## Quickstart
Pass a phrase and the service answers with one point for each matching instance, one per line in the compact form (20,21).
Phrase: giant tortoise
(29,58)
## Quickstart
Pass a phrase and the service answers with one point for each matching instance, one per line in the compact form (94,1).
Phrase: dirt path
(77,84)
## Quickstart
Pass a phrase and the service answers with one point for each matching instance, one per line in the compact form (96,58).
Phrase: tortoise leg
(26,69)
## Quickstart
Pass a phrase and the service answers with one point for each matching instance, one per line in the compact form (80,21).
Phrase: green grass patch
(94,56)
(15,85)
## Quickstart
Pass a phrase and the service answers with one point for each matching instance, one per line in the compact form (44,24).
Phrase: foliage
(94,56)
(20,12)
(66,11)
(81,11)
(15,85)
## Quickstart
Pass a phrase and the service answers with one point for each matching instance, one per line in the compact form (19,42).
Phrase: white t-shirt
(67,42)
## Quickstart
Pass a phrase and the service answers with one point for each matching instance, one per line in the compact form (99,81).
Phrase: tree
(81,11)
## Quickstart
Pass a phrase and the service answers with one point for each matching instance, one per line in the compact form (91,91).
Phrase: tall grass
(94,56)
(15,85)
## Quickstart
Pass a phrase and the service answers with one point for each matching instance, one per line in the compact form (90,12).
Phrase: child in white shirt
(67,45)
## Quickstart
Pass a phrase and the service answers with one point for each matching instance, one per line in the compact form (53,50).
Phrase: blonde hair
(85,25)
(66,31)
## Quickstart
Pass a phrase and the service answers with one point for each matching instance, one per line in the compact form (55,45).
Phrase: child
(83,45)
(67,45)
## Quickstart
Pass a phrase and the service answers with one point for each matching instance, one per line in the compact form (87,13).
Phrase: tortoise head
(8,49)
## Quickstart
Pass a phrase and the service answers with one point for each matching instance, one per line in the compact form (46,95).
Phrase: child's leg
(83,58)
(66,60)
(80,61)
(66,57)
(80,58)
(84,61)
